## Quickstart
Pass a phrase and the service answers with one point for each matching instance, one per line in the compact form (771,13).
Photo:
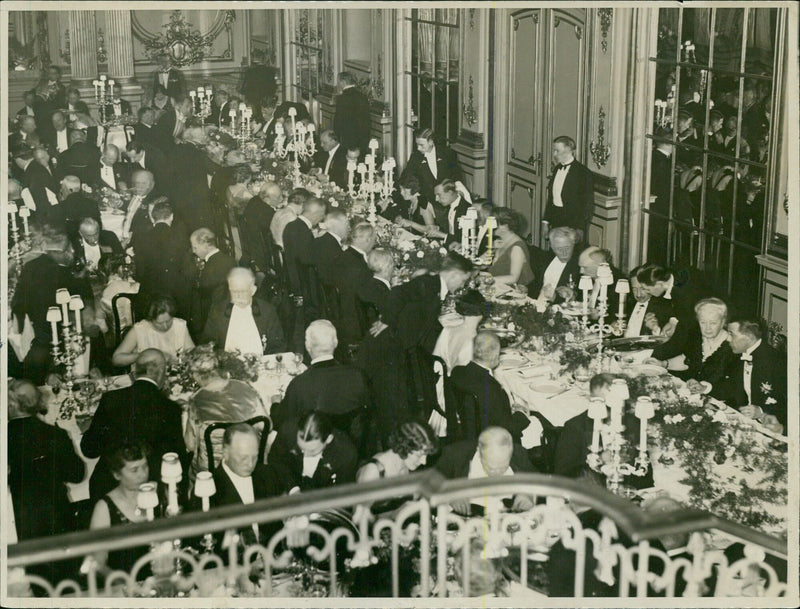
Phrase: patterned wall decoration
(181,37)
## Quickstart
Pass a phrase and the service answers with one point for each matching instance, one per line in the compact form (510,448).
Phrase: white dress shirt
(244,488)
(558,183)
(451,215)
(747,356)
(443,291)
(141,161)
(552,274)
(634,326)
(107,175)
(476,468)
(61,140)
(331,152)
(91,253)
(243,332)
(163,78)
(310,465)
(431,158)
(321,358)
(133,207)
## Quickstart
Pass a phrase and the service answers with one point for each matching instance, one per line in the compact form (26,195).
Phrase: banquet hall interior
(413,301)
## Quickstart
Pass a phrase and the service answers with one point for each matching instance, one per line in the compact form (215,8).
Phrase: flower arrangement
(234,365)
(218,137)
(108,198)
(421,254)
(575,358)
(530,323)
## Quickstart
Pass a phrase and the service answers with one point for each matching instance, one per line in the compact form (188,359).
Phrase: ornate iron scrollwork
(599,149)
(605,15)
(470,111)
(181,42)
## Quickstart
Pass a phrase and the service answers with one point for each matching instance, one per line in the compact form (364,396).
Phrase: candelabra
(204,488)
(103,93)
(240,127)
(469,238)
(201,101)
(73,344)
(302,144)
(623,288)
(23,245)
(610,461)
(604,279)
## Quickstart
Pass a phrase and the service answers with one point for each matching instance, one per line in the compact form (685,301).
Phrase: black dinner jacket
(139,413)
(188,188)
(375,297)
(220,115)
(164,128)
(74,208)
(338,169)
(326,253)
(155,162)
(577,195)
(211,285)
(298,246)
(447,167)
(660,307)
(109,246)
(120,175)
(455,459)
(768,380)
(176,83)
(52,139)
(37,179)
(351,121)
(351,273)
(80,159)
(687,290)
(267,322)
(493,403)
(414,312)
(539,263)
(145,134)
(461,210)
(256,236)
(165,265)
(714,369)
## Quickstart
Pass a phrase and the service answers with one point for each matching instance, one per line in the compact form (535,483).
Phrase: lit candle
(54,316)
(204,488)
(171,473)
(623,289)
(616,397)
(76,304)
(147,499)
(644,410)
(111,88)
(12,211)
(491,224)
(464,223)
(597,412)
(63,298)
(585,285)
(25,213)
(351,170)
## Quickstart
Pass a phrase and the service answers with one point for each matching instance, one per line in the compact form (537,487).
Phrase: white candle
(24,213)
(596,412)
(12,211)
(54,316)
(463,224)
(491,224)
(644,410)
(192,94)
(63,298)
(76,304)
(585,285)
(102,78)
(351,170)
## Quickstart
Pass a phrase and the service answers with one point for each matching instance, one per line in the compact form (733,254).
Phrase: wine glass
(279,359)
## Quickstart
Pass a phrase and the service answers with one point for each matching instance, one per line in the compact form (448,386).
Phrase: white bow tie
(746,357)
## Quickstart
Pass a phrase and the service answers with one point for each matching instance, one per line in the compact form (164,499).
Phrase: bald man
(75,206)
(139,413)
(589,262)
(257,242)
(491,455)
(92,244)
(109,171)
(242,322)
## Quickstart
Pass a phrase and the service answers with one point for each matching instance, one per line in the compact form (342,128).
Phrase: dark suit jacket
(375,298)
(350,274)
(660,307)
(188,187)
(120,175)
(80,160)
(164,264)
(256,237)
(211,285)
(461,210)
(109,246)
(714,369)
(176,84)
(337,466)
(298,246)
(540,260)
(264,314)
(577,195)
(338,169)
(220,115)
(352,119)
(446,164)
(139,413)
(164,128)
(41,459)
(326,254)
(37,179)
(52,140)
(125,108)
(145,134)
(687,290)
(768,380)
(155,162)
(455,459)
(493,408)
(75,208)
(414,312)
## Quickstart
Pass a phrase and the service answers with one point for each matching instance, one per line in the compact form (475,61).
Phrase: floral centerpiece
(234,365)
(421,254)
(530,324)
(107,198)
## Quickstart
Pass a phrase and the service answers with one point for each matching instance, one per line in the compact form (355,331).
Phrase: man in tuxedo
(352,118)
(171,124)
(660,182)
(59,137)
(169,77)
(257,242)
(288,213)
(53,95)
(92,245)
(164,263)
(144,130)
(240,322)
(453,206)
(212,278)
(558,267)
(432,163)
(491,455)
(645,314)
(137,215)
(35,293)
(351,272)
(139,413)
(332,158)
(327,386)
(298,245)
(477,379)
(110,171)
(756,382)
(589,262)
(190,194)
(118,107)
(416,305)
(29,99)
(144,156)
(220,109)
(74,206)
(687,135)
(329,246)
(259,85)
(82,157)
(26,133)
(570,191)
(75,106)
(42,182)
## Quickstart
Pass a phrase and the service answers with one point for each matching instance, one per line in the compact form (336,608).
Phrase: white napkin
(532,434)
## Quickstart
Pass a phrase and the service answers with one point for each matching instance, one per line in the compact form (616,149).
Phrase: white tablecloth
(113,222)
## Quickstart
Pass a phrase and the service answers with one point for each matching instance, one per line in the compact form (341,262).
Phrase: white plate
(512,362)
(649,370)
(548,388)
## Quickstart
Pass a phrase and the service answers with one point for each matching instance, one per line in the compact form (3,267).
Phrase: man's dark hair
(298,196)
(347,78)
(447,185)
(227,436)
(425,133)
(650,274)
(749,326)
(126,453)
(566,140)
(456,262)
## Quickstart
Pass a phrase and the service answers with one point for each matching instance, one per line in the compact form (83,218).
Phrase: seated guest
(92,244)
(557,268)
(329,246)
(293,208)
(110,171)
(139,413)
(74,104)
(352,272)
(25,134)
(493,454)
(159,330)
(41,178)
(241,322)
(241,480)
(413,211)
(454,344)
(82,157)
(257,217)
(645,314)
(212,278)
(59,136)
(756,381)
(29,99)
(511,264)
(477,379)
(451,207)
(332,158)
(708,352)
(409,447)
(589,262)
(219,399)
(118,107)
(41,459)
(312,454)
(327,386)
(220,108)
(128,464)
(74,206)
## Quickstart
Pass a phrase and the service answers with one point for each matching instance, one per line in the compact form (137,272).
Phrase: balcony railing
(421,548)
